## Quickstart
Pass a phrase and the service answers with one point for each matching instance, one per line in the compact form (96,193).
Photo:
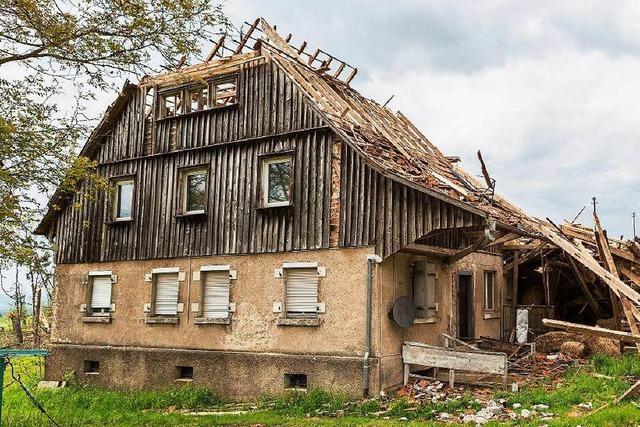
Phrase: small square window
(91,366)
(194,191)
(225,93)
(123,200)
(489,290)
(171,104)
(276,181)
(295,381)
(198,99)
(184,372)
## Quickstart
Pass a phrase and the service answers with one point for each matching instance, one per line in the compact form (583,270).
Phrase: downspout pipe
(371,260)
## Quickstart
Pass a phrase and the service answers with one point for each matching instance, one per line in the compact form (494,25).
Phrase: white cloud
(547,90)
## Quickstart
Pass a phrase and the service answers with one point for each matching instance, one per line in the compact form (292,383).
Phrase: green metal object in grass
(5,355)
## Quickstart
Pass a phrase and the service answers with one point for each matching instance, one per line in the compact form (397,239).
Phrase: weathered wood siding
(234,223)
(268,104)
(376,210)
(271,116)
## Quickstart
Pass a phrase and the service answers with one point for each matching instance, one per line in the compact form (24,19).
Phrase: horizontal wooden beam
(592,330)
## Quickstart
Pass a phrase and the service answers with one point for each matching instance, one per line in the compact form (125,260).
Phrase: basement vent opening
(295,381)
(184,372)
(91,366)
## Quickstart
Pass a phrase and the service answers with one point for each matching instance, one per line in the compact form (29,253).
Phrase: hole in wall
(91,366)
(184,372)
(295,381)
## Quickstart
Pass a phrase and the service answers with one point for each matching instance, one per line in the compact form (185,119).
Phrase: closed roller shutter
(101,293)
(216,294)
(301,291)
(166,293)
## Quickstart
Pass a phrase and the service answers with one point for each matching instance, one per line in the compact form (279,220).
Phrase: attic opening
(549,288)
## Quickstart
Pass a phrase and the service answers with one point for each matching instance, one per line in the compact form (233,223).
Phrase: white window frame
(166,270)
(106,310)
(207,269)
(118,186)
(488,307)
(185,188)
(282,272)
(266,162)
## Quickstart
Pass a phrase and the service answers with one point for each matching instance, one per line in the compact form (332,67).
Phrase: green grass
(90,406)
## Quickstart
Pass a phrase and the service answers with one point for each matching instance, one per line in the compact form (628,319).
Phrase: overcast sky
(548,91)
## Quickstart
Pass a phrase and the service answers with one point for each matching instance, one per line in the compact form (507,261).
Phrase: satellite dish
(404,312)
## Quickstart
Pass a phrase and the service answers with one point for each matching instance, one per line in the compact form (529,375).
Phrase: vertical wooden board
(312,150)
(235,197)
(304,189)
(326,189)
(343,194)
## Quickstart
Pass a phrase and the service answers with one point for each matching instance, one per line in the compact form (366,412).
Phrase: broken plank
(631,392)
(592,330)
(439,357)
(605,254)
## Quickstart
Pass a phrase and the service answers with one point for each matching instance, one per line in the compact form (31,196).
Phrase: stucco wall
(395,280)
(253,337)
(253,325)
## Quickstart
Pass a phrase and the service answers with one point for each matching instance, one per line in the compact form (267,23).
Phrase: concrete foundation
(233,375)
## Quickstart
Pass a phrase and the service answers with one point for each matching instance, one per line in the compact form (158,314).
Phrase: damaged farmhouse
(267,228)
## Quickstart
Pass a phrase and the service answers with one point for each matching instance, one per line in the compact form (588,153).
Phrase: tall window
(123,200)
(216,285)
(301,291)
(424,289)
(100,294)
(489,290)
(194,191)
(225,93)
(276,181)
(166,289)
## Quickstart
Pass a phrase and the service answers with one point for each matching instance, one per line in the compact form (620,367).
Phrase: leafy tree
(54,54)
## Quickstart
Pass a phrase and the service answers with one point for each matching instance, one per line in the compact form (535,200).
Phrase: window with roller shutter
(166,288)
(100,294)
(301,291)
(216,294)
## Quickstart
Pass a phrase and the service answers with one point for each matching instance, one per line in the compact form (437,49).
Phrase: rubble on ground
(425,392)
(573,349)
(576,346)
(551,341)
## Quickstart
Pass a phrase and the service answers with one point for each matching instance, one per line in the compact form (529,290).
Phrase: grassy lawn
(82,406)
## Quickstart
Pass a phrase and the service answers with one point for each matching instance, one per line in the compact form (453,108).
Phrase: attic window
(225,92)
(197,99)
(170,104)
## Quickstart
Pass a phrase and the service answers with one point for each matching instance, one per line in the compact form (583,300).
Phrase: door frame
(472,291)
